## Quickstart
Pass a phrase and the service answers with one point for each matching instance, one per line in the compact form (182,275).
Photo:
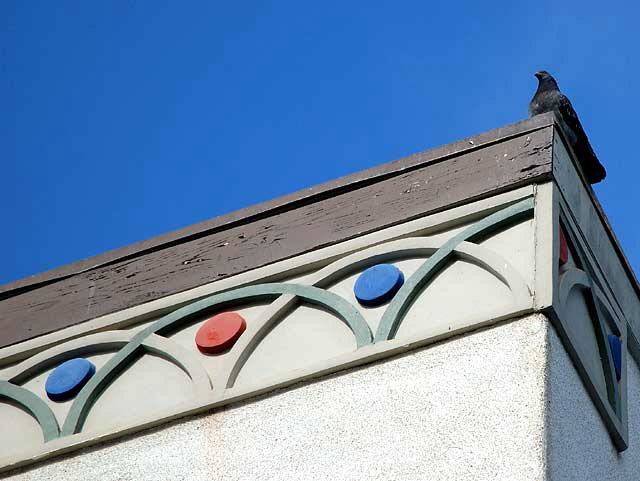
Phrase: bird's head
(543,75)
(545,80)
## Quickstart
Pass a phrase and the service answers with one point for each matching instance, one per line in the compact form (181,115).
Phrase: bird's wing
(569,115)
(593,168)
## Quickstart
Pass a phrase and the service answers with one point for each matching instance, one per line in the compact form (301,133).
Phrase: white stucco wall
(470,408)
(579,446)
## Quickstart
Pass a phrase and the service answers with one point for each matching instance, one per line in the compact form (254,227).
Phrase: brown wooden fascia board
(393,193)
(289,201)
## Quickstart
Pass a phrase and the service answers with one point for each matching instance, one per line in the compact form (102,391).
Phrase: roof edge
(283,203)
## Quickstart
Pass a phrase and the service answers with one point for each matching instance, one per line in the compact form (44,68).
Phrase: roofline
(287,202)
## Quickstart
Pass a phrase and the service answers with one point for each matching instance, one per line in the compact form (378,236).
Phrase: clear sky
(122,120)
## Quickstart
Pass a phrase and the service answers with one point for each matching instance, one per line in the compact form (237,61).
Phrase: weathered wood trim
(311,194)
(397,192)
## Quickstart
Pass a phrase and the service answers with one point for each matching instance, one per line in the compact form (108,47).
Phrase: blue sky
(124,120)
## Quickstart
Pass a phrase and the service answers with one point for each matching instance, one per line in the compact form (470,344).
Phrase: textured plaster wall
(579,446)
(470,408)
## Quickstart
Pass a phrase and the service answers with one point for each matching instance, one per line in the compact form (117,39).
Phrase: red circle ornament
(220,332)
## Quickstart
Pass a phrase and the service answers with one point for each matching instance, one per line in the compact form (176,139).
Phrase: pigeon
(549,98)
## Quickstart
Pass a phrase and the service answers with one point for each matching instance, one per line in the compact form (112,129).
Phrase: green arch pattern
(387,328)
(396,310)
(34,406)
(96,385)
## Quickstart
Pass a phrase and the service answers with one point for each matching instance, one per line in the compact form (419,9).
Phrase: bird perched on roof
(549,98)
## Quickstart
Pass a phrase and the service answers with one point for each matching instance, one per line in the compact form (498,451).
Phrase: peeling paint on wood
(405,189)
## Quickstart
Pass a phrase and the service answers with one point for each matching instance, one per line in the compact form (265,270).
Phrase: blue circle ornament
(66,380)
(378,284)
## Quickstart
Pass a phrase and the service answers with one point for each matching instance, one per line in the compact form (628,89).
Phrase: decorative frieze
(345,305)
